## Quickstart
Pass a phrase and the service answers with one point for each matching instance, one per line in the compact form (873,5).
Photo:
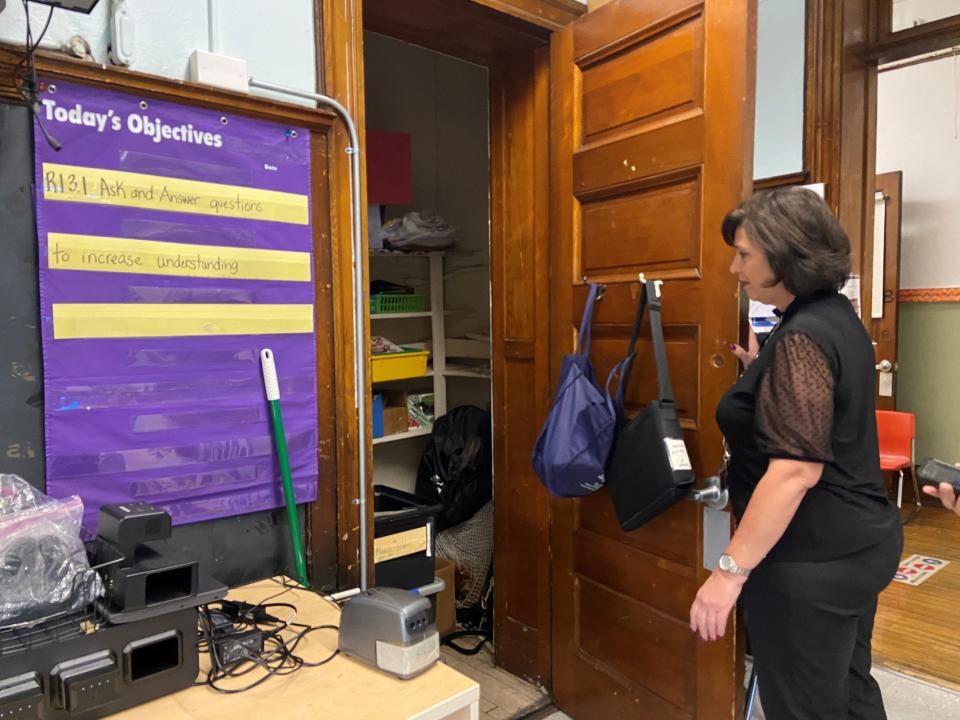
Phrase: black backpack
(456,468)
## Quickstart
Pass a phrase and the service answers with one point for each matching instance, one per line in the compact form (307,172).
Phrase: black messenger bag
(649,469)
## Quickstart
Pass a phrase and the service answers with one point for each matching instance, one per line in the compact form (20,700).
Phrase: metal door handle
(885,366)
(711,494)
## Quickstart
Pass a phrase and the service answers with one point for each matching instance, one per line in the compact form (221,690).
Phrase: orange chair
(897,432)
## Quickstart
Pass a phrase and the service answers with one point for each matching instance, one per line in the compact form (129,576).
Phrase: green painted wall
(929,376)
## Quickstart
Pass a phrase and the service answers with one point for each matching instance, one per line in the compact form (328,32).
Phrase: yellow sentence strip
(73,183)
(127,320)
(148,257)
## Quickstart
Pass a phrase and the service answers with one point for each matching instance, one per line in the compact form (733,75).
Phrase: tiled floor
(908,699)
(502,696)
(904,697)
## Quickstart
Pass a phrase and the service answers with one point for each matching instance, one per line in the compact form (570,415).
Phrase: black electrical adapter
(240,611)
(232,647)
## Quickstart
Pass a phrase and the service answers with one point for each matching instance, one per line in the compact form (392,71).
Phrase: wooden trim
(891,46)
(919,60)
(929,295)
(321,515)
(519,233)
(56,65)
(467,29)
(550,14)
(841,121)
(798,178)
(342,42)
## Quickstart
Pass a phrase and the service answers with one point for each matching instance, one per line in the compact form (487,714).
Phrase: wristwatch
(728,564)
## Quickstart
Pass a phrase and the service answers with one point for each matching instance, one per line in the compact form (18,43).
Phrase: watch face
(725,562)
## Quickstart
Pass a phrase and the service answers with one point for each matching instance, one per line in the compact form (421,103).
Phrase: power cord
(25,75)
(242,637)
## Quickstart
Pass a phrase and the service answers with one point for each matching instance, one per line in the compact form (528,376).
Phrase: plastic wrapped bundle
(44,569)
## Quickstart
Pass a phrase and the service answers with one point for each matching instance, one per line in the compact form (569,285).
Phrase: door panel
(647,81)
(651,139)
(884,329)
(643,215)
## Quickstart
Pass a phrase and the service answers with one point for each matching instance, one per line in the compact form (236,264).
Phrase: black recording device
(139,643)
(933,472)
(145,577)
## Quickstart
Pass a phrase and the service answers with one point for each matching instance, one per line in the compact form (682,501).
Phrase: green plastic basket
(387,303)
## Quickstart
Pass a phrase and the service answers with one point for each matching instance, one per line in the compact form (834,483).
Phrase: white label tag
(886,384)
(677,452)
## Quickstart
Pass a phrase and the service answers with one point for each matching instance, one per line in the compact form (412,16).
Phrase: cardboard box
(396,416)
(446,598)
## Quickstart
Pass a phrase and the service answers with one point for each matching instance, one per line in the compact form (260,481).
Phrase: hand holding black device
(933,472)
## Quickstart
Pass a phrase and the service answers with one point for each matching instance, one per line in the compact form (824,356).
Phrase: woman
(817,538)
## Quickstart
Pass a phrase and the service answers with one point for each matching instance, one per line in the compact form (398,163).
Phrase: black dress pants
(810,625)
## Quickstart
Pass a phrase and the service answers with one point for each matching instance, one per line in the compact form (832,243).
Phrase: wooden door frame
(519,209)
(891,185)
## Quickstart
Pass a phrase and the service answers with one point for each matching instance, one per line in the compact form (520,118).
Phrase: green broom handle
(272,387)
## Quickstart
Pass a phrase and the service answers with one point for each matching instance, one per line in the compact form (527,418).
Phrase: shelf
(401,316)
(427,374)
(376,252)
(466,371)
(419,432)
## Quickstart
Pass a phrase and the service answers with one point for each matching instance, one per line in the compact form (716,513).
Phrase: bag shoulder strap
(659,346)
(625,366)
(586,323)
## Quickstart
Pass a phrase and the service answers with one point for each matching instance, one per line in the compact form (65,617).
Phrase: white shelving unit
(439,371)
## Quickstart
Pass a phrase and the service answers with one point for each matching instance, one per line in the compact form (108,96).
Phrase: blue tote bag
(575,441)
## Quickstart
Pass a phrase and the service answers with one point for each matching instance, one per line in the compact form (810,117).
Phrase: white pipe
(359,307)
(213,26)
(344,594)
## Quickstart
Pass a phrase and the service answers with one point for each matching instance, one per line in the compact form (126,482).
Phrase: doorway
(918,138)
(589,175)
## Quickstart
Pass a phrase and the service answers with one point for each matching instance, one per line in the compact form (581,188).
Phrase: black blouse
(809,395)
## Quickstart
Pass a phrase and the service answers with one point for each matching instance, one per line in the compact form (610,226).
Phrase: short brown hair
(804,244)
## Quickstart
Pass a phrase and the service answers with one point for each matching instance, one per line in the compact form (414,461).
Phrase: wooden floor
(918,628)
(502,696)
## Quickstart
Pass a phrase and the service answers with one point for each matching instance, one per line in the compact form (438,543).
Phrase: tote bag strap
(625,366)
(586,323)
(659,346)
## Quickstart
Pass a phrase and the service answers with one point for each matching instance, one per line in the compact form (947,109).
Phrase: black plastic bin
(404,538)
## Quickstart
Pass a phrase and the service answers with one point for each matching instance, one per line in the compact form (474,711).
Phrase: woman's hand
(714,601)
(946,494)
(747,356)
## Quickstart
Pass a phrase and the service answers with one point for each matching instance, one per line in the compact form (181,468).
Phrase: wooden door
(652,143)
(887,269)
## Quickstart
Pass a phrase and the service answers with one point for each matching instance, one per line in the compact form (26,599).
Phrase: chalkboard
(21,383)
(235,550)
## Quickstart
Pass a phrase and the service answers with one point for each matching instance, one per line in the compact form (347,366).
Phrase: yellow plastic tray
(398,366)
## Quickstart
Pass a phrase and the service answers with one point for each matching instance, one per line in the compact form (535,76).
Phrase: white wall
(907,13)
(442,102)
(778,134)
(276,39)
(918,132)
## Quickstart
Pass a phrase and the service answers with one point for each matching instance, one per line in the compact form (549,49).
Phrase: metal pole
(359,310)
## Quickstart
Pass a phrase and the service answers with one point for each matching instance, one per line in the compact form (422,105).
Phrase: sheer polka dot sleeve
(795,403)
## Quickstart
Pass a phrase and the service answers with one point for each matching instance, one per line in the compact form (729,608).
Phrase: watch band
(728,564)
